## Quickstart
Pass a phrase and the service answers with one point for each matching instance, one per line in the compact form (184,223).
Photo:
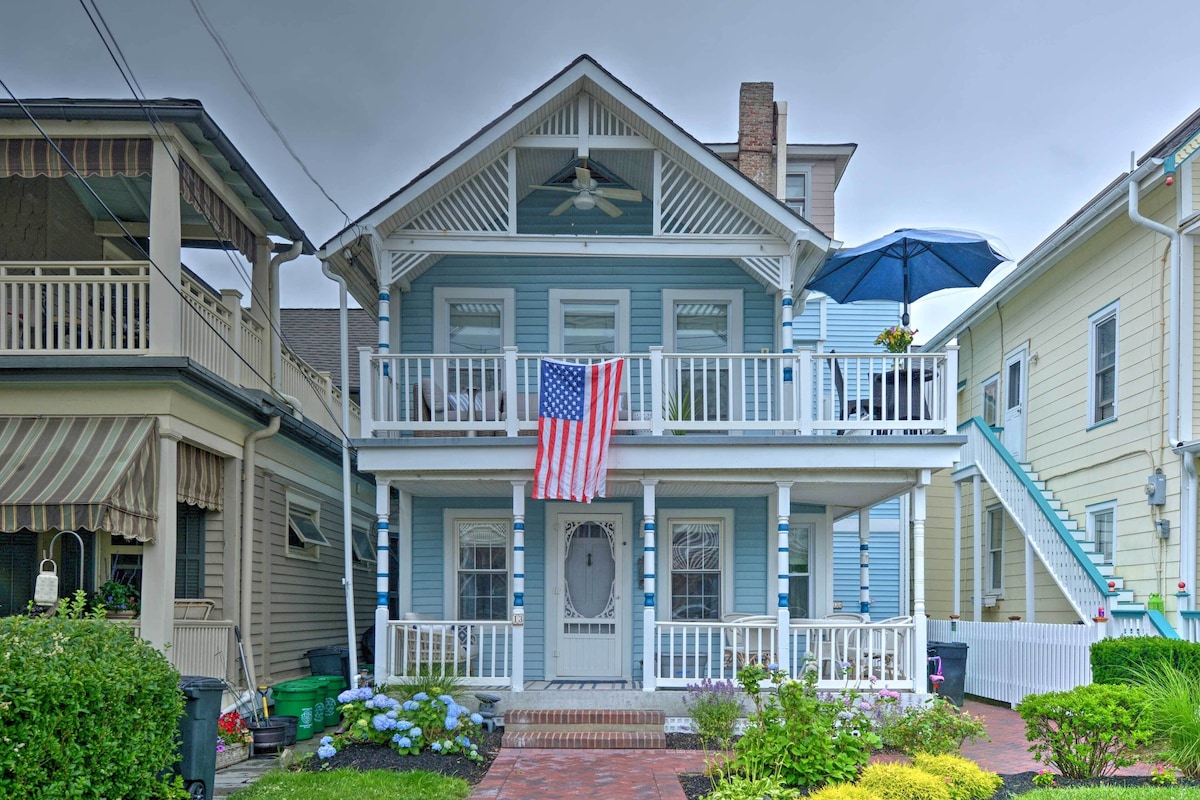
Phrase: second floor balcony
(669,394)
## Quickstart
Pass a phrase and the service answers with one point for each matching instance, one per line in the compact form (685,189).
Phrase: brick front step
(584,740)
(585,729)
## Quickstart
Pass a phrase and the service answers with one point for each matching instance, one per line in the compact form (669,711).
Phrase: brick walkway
(520,774)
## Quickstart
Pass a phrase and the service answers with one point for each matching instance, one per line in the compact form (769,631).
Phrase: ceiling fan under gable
(590,194)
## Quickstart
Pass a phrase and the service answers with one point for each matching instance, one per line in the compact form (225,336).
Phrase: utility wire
(237,72)
(131,81)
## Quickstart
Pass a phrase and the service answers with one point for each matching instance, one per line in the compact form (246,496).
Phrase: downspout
(347,512)
(290,254)
(1186,452)
(248,498)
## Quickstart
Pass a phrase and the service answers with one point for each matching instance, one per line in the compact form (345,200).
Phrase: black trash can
(330,661)
(198,734)
(953,657)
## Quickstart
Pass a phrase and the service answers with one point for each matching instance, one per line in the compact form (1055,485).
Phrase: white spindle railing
(208,331)
(478,652)
(666,393)
(1081,583)
(843,654)
(55,307)
(1189,625)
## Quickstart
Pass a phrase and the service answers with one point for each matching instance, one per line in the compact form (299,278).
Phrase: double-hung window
(796,190)
(995,551)
(703,327)
(991,401)
(800,537)
(695,552)
(481,577)
(1102,366)
(592,322)
(473,321)
(1102,528)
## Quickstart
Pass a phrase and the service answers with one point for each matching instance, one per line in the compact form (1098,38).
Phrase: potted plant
(896,339)
(120,600)
(233,739)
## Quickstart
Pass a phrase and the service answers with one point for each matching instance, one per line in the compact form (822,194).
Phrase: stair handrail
(1159,620)
(1040,501)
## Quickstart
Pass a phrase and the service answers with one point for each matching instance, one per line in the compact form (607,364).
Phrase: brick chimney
(756,134)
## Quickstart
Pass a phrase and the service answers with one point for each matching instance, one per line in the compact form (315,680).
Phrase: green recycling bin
(318,708)
(334,685)
(296,699)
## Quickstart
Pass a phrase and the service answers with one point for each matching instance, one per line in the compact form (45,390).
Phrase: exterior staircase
(1060,542)
(579,729)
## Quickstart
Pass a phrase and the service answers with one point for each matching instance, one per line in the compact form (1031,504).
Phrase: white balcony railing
(844,654)
(61,308)
(478,652)
(668,393)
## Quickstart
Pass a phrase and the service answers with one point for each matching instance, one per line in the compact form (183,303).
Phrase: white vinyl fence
(1008,660)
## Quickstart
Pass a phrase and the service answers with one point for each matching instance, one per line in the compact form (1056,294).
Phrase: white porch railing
(668,393)
(200,647)
(1189,627)
(52,306)
(67,308)
(479,652)
(844,654)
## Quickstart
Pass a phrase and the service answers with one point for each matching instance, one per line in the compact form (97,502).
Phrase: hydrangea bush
(438,724)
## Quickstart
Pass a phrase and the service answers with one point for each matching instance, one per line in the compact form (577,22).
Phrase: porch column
(864,561)
(158,573)
(518,598)
(260,283)
(788,342)
(404,598)
(977,553)
(383,507)
(385,325)
(648,587)
(920,626)
(783,513)
(957,550)
(166,304)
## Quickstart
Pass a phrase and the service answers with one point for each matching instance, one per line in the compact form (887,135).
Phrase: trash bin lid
(193,686)
(327,651)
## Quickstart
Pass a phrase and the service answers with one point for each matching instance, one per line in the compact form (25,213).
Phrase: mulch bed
(380,756)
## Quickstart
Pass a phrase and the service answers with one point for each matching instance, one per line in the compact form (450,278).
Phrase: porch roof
(90,473)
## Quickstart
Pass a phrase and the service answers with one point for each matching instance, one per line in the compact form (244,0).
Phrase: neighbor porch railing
(68,308)
(669,393)
(200,646)
(479,652)
(843,654)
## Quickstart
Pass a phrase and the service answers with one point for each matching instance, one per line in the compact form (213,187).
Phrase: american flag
(576,410)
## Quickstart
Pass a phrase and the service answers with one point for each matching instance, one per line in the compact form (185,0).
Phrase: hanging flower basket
(232,754)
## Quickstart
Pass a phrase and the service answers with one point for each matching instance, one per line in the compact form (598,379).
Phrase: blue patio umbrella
(907,265)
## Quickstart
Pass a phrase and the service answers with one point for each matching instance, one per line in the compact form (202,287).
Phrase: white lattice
(769,268)
(689,206)
(606,123)
(479,205)
(564,122)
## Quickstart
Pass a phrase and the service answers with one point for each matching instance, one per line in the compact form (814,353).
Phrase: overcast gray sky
(997,117)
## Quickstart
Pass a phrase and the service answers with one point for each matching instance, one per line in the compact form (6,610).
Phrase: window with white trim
(795,194)
(990,407)
(362,545)
(304,537)
(994,572)
(473,321)
(1102,528)
(696,550)
(800,538)
(1102,365)
(592,322)
(698,324)
(481,580)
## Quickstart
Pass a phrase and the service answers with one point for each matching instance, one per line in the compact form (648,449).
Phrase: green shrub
(1173,715)
(87,711)
(1089,731)
(901,782)
(936,726)
(437,724)
(1123,659)
(801,738)
(740,787)
(843,791)
(965,779)
(715,707)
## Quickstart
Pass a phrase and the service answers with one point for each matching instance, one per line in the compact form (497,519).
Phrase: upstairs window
(1102,367)
(472,321)
(796,191)
(991,401)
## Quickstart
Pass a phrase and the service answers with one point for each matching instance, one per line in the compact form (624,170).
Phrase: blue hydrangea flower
(477,719)
(436,747)
(445,698)
(326,740)
(326,751)
(420,697)
(415,733)
(451,723)
(403,742)
(346,696)
(464,741)
(382,723)
(403,725)
(392,714)
(411,705)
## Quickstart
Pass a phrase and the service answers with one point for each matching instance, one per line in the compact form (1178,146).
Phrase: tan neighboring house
(1074,500)
(157,419)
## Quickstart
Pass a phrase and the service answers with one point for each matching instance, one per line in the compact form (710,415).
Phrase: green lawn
(341,784)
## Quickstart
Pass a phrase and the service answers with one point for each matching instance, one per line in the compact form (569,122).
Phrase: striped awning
(205,199)
(79,473)
(106,158)
(200,480)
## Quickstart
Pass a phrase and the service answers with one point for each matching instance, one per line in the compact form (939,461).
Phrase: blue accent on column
(385,296)
(783,577)
(783,600)
(649,601)
(381,599)
(864,547)
(381,574)
(864,608)
(783,549)
(650,575)
(649,526)
(385,319)
(383,548)
(787,301)
(650,549)
(787,374)
(520,547)
(518,599)
(520,575)
(518,526)
(864,588)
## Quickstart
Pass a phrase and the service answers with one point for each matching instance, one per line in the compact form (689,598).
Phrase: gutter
(247,562)
(347,512)
(290,254)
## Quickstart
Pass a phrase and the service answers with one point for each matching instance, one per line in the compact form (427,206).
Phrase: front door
(1015,396)
(590,596)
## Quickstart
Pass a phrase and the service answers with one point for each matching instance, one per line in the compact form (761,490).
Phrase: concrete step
(585,728)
